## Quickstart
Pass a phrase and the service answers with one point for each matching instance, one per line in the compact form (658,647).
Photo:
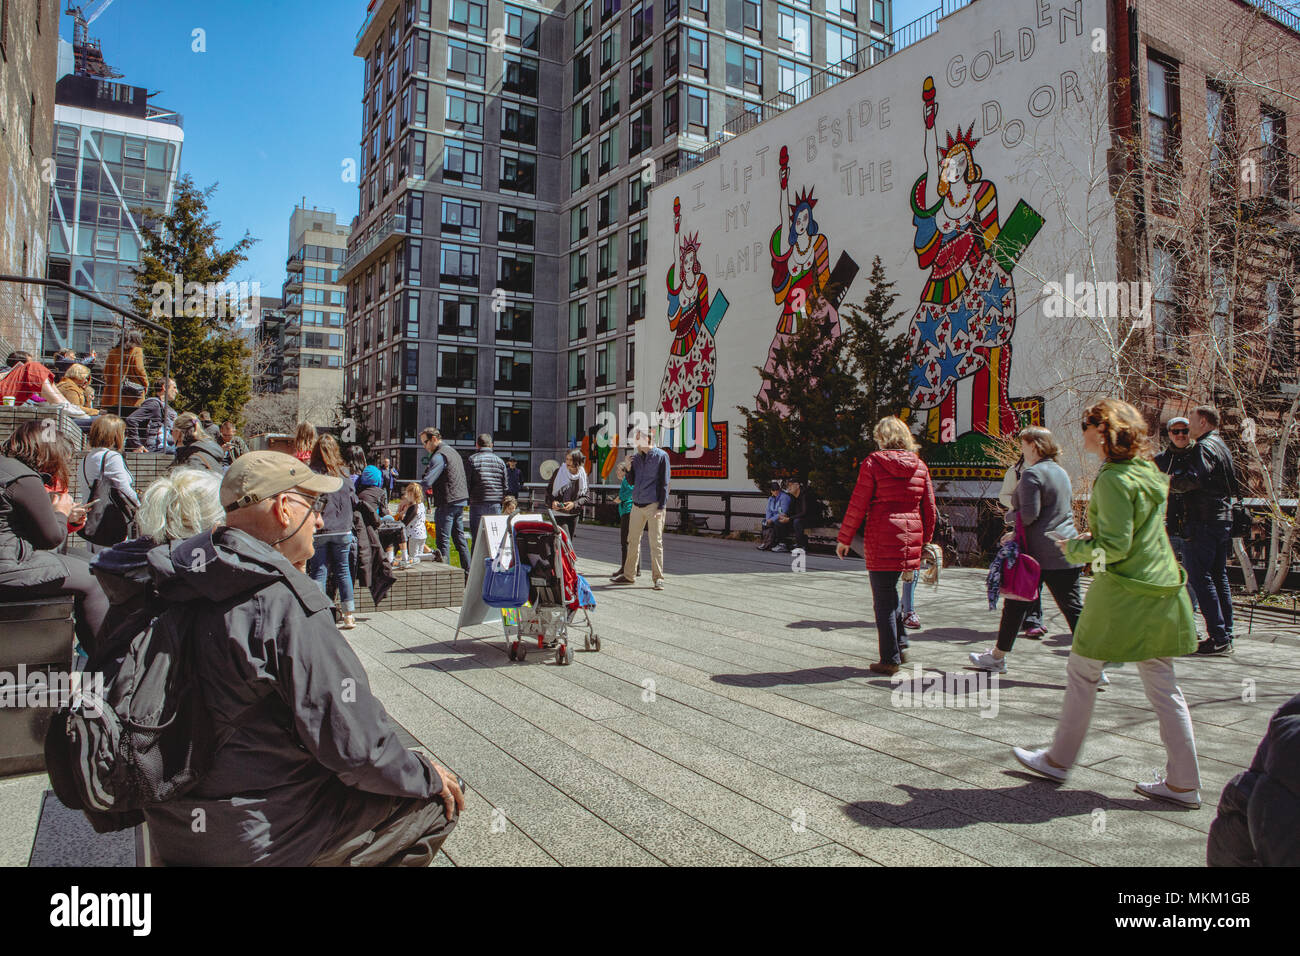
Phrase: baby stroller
(558,597)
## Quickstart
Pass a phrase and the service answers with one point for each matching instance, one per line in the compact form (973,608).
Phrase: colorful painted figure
(801,273)
(686,390)
(967,314)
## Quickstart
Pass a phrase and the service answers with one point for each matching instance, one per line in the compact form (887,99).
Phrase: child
(411,513)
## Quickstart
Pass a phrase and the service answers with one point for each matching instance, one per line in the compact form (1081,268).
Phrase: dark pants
(1180,552)
(476,512)
(410,834)
(449,520)
(1208,544)
(889,615)
(90,603)
(569,523)
(623,523)
(1064,585)
(1034,617)
(790,531)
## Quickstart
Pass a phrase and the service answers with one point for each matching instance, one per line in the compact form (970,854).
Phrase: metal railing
(394,224)
(1275,11)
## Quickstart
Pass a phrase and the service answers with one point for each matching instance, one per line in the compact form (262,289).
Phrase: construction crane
(87,53)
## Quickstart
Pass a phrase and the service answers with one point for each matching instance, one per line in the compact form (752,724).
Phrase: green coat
(625,498)
(1137,608)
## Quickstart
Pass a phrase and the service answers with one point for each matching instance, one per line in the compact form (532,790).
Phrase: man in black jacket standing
(1173,461)
(446,481)
(1206,488)
(309,769)
(486,474)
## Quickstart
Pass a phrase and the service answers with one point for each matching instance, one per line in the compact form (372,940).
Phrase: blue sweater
(649,476)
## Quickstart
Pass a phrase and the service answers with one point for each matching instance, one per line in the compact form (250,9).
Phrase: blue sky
(272,108)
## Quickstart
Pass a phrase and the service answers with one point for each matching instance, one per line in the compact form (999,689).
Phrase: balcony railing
(295,262)
(1276,11)
(384,234)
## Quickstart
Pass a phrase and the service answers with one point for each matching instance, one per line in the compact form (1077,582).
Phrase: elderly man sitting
(308,768)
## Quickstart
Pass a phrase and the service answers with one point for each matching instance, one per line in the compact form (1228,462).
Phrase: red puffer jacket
(895,498)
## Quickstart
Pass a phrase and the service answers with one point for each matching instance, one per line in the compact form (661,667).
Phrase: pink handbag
(1020,581)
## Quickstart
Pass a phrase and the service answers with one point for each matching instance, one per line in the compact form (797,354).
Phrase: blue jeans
(333,553)
(1207,550)
(449,520)
(1180,552)
(478,511)
(909,592)
(889,615)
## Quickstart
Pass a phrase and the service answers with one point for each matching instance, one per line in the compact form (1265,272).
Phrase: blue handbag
(505,586)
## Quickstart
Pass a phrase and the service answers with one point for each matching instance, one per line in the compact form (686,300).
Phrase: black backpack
(147,739)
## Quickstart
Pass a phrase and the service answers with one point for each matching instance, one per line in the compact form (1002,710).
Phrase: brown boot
(880,667)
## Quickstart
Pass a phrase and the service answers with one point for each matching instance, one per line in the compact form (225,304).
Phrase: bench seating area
(38,639)
(429,584)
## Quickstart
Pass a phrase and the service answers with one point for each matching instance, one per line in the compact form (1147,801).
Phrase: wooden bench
(36,637)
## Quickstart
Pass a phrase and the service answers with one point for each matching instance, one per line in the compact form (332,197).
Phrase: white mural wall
(962,161)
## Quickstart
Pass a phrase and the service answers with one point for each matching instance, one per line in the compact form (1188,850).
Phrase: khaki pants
(1082,675)
(642,516)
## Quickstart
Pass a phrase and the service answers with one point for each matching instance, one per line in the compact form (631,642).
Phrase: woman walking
(1041,502)
(334,540)
(1137,608)
(893,502)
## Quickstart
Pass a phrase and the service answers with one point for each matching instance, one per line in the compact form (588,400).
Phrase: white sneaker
(1159,790)
(348,623)
(1036,760)
(1103,680)
(987,662)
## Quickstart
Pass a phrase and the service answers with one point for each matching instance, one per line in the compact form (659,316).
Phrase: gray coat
(310,756)
(1042,499)
(29,529)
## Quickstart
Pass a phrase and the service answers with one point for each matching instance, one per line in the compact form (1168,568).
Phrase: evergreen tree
(209,360)
(879,360)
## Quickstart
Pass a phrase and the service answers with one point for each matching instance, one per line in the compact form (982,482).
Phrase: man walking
(1173,461)
(487,482)
(308,768)
(514,478)
(649,474)
(1207,487)
(445,480)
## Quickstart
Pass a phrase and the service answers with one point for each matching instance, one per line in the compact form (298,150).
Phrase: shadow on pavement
(826,626)
(820,675)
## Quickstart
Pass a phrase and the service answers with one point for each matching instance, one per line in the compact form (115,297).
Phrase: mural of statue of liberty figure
(967,313)
(801,272)
(686,390)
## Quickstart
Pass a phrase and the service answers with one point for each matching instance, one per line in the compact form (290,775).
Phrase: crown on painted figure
(802,197)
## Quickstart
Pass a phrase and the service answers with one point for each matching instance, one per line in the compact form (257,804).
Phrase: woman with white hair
(177,506)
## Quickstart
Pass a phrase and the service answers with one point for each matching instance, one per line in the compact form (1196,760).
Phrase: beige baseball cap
(259,475)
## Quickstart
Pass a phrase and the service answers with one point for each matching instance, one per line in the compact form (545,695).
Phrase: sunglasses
(1180,431)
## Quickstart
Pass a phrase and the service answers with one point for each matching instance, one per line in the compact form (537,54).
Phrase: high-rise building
(116,161)
(268,346)
(497,265)
(313,295)
(29,44)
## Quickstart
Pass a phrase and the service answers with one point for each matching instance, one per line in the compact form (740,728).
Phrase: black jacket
(451,485)
(30,529)
(202,454)
(1209,482)
(1175,461)
(486,474)
(311,755)
(144,424)
(1259,810)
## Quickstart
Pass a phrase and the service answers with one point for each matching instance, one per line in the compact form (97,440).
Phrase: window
(608,149)
(578,224)
(579,169)
(844,9)
(460,218)
(518,172)
(516,226)
(412,315)
(794,30)
(697,112)
(513,422)
(1163,126)
(611,49)
(605,263)
(515,323)
(607,207)
(458,316)
(514,372)
(744,68)
(641,22)
(1221,323)
(523,26)
(699,8)
(790,74)
(1166,308)
(643,76)
(1273,154)
(697,53)
(581,71)
(745,16)
(606,312)
(640,126)
(577,418)
(609,99)
(672,51)
(577,321)
(608,8)
(638,196)
(1220,125)
(466,62)
(636,245)
(582,23)
(520,75)
(631,360)
(459,265)
(636,299)
(577,371)
(577,271)
(463,163)
(1279,326)
(457,367)
(878,12)
(670,112)
(841,44)
(519,123)
(581,119)
(456,420)
(469,17)
(515,272)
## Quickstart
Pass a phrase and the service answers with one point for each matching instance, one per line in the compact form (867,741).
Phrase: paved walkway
(730,719)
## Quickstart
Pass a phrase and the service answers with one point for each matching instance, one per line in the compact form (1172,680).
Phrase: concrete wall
(1020,78)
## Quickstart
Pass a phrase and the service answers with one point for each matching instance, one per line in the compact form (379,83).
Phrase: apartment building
(310,360)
